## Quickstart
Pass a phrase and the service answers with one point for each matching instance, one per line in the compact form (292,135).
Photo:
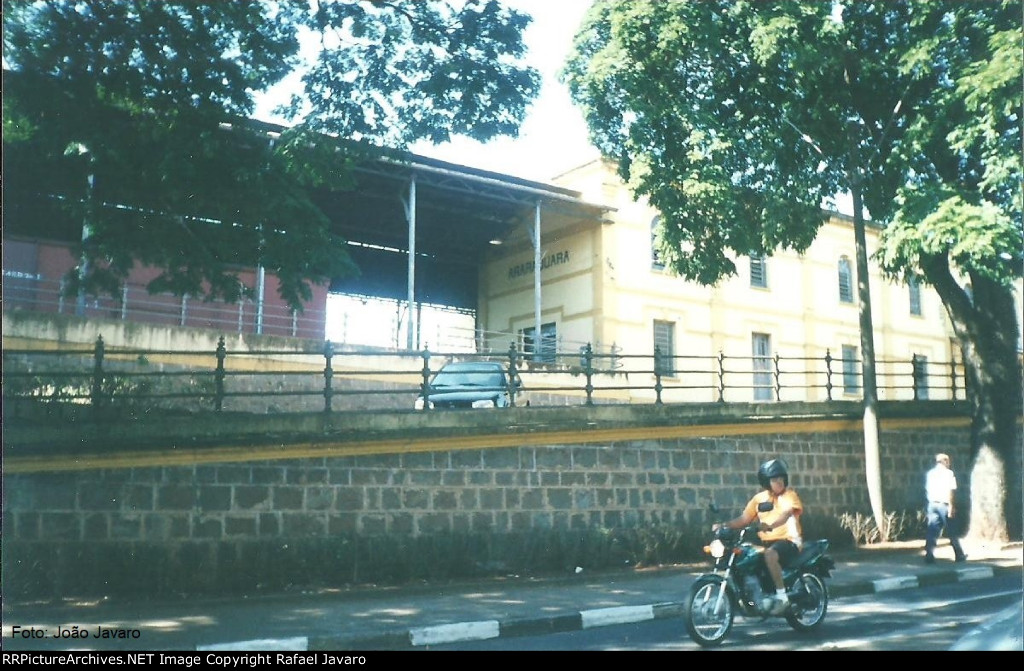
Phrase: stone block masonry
(286,521)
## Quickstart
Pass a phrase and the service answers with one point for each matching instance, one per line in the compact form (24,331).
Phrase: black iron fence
(333,379)
(390,318)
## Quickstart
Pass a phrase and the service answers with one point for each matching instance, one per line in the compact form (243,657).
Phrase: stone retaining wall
(216,525)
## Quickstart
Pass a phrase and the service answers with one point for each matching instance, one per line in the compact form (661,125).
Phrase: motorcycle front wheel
(808,603)
(708,618)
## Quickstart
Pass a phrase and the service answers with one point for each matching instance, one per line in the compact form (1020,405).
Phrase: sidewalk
(407,617)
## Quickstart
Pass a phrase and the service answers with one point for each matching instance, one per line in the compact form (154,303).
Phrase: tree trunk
(985,323)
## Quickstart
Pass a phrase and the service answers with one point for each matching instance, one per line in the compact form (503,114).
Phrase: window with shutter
(664,345)
(656,262)
(543,351)
(915,296)
(851,370)
(921,376)
(758,271)
(762,362)
(845,281)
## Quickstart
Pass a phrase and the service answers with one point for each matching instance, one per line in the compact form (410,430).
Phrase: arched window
(656,262)
(845,280)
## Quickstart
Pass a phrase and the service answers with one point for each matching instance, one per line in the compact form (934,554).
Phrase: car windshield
(469,377)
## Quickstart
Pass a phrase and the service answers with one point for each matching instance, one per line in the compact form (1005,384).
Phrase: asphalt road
(926,619)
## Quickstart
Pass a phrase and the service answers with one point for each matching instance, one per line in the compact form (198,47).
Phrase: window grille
(545,350)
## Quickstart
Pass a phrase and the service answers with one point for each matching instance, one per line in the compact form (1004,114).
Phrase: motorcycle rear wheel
(808,603)
(704,626)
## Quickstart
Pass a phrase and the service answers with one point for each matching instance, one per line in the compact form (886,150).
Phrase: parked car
(473,384)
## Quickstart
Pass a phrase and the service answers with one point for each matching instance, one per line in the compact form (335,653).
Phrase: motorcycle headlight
(716,549)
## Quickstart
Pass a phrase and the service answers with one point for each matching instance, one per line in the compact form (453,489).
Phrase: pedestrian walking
(940,491)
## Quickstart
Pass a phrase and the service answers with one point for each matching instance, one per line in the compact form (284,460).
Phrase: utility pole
(79,149)
(872,457)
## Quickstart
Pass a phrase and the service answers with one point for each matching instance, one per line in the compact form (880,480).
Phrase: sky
(553,137)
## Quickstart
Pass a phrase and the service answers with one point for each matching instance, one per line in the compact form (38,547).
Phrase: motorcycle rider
(778,528)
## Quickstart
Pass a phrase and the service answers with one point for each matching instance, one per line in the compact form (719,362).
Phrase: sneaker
(779,605)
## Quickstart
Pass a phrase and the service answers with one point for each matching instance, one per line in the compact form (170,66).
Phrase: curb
(406,639)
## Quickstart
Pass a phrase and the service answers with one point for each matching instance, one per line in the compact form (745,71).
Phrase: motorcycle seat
(810,550)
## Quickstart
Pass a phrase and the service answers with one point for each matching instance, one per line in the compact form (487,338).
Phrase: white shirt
(939,484)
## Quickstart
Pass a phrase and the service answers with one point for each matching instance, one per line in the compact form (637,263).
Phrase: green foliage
(163,169)
(736,120)
(380,559)
(67,390)
(832,528)
(902,525)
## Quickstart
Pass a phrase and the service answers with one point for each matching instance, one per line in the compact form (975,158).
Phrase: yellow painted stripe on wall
(212,455)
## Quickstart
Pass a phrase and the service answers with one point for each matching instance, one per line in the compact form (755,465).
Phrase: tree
(738,119)
(132,118)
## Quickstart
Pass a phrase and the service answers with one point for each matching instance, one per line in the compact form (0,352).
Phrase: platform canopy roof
(460,213)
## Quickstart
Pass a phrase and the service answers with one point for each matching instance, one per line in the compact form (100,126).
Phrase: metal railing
(331,379)
(33,292)
(137,304)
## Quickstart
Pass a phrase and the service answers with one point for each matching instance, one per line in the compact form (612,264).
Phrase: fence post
(721,376)
(828,374)
(328,374)
(913,374)
(588,370)
(97,376)
(425,372)
(778,382)
(657,375)
(513,372)
(952,377)
(219,374)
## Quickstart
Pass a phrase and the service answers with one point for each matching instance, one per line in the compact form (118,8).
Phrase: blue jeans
(937,516)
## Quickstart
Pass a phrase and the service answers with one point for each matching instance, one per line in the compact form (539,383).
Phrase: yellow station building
(601,282)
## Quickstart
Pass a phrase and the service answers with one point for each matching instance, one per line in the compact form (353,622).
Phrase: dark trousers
(937,516)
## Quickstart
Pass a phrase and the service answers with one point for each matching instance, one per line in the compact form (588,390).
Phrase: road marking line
(619,615)
(890,584)
(449,633)
(298,643)
(975,572)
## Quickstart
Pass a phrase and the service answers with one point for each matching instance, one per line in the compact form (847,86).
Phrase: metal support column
(536,278)
(261,283)
(410,216)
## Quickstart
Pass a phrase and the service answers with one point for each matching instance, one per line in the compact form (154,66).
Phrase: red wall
(32,279)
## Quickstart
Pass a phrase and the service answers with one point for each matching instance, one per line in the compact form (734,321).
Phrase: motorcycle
(740,583)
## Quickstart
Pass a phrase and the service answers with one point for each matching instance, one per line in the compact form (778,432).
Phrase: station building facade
(601,282)
(594,278)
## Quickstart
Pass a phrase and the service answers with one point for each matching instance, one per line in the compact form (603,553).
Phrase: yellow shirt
(788,500)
